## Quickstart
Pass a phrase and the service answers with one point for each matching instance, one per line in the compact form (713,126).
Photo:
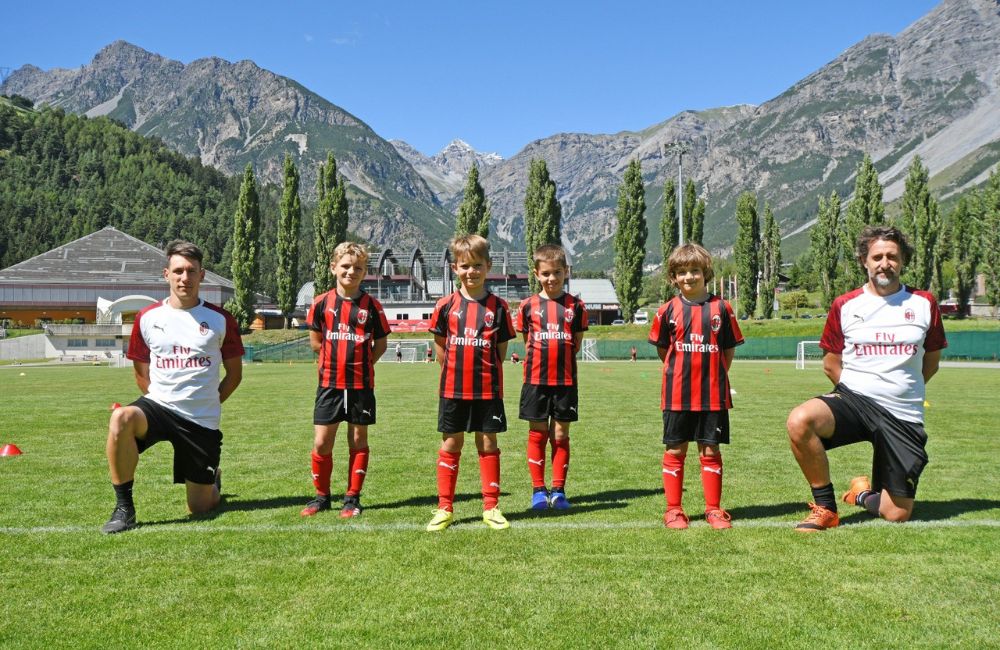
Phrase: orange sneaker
(675,518)
(718,519)
(858,485)
(819,519)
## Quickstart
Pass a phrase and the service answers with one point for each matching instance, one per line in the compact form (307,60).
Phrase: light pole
(680,149)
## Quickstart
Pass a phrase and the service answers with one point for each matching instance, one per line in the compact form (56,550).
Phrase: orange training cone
(10,449)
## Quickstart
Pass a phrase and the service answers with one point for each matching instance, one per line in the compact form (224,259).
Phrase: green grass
(605,573)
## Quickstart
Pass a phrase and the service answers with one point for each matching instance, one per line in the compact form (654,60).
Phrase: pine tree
(824,247)
(921,221)
(770,263)
(965,251)
(474,212)
(698,223)
(630,239)
(245,251)
(990,238)
(288,242)
(690,203)
(865,209)
(668,234)
(542,213)
(746,252)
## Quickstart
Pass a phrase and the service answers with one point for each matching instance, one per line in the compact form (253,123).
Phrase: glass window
(76,343)
(105,343)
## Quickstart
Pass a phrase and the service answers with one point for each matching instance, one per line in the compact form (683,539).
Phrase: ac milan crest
(362,316)
(204,329)
(568,316)
(909,315)
(488,318)
(716,323)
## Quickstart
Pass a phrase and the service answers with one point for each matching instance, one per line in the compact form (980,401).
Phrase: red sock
(447,475)
(357,466)
(322,466)
(673,479)
(711,481)
(489,476)
(536,457)
(560,462)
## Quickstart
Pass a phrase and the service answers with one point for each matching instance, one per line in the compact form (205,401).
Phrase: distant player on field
(348,330)
(552,323)
(471,328)
(695,335)
(178,347)
(882,343)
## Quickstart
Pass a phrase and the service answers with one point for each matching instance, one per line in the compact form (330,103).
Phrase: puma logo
(673,472)
(711,469)
(539,462)
(446,465)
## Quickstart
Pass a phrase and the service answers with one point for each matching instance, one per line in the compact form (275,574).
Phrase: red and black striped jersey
(349,327)
(695,336)
(473,331)
(550,353)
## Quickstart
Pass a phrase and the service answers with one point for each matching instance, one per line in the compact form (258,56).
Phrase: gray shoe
(122,519)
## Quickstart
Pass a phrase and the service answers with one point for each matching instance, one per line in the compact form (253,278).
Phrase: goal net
(807,352)
(410,351)
(589,350)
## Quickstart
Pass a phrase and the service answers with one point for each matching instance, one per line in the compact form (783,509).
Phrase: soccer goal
(807,351)
(589,350)
(410,350)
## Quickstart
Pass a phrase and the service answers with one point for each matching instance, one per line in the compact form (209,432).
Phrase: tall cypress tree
(770,263)
(329,224)
(630,239)
(246,250)
(690,203)
(474,212)
(542,213)
(288,242)
(746,252)
(990,238)
(668,234)
(698,222)
(865,209)
(824,240)
(965,251)
(922,223)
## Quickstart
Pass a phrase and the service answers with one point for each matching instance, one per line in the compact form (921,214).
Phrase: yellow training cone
(927,404)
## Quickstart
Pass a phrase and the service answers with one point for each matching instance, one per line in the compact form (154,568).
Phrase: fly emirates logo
(469,337)
(344,333)
(180,358)
(697,344)
(552,333)
(885,344)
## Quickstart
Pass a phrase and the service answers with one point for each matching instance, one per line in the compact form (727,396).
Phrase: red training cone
(10,449)
(116,405)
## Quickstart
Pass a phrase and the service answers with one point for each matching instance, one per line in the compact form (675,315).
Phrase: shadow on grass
(769,511)
(934,510)
(231,504)
(428,501)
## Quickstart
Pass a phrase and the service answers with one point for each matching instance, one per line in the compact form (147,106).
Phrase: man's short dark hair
(185,249)
(884,233)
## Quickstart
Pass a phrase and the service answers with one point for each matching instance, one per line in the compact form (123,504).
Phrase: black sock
(871,503)
(123,495)
(823,496)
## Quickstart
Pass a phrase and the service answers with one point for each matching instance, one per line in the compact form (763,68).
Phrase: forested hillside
(63,176)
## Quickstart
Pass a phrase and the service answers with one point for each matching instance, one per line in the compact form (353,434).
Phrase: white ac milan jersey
(882,341)
(184,349)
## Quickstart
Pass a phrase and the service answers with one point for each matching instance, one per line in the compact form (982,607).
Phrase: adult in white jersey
(177,347)
(881,345)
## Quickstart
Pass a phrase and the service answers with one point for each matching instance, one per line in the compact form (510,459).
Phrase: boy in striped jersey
(471,328)
(348,330)
(695,334)
(552,323)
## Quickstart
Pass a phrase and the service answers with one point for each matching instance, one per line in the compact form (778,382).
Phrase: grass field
(604,574)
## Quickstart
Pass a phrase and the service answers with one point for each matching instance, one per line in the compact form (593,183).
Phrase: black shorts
(539,403)
(461,415)
(706,427)
(900,454)
(196,449)
(353,405)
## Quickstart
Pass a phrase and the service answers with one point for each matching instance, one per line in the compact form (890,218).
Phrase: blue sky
(495,74)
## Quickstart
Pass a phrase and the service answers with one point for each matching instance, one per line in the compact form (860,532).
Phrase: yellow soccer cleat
(441,520)
(495,519)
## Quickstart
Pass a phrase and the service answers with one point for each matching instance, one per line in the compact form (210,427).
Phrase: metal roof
(593,291)
(107,256)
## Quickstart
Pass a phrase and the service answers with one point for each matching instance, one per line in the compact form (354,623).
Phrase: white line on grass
(154,528)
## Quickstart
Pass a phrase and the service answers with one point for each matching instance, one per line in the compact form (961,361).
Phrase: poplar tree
(865,209)
(288,242)
(698,223)
(965,252)
(770,262)
(630,239)
(690,203)
(542,214)
(330,222)
(474,212)
(246,251)
(824,240)
(921,221)
(668,234)
(746,252)
(990,238)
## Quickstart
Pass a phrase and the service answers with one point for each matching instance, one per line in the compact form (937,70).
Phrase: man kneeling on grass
(177,347)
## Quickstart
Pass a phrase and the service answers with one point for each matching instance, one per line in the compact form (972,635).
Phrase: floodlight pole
(681,150)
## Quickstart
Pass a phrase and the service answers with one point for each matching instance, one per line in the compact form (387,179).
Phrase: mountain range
(933,90)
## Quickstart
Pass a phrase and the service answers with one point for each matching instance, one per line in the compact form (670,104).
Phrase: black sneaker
(321,502)
(122,519)
(352,507)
